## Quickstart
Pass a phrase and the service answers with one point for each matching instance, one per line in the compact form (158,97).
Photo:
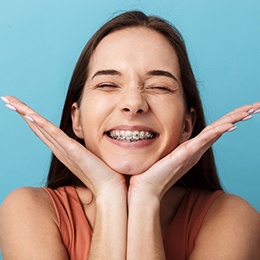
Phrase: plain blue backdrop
(40,42)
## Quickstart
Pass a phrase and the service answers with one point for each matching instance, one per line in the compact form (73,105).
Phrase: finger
(256,107)
(81,162)
(31,117)
(48,134)
(208,137)
(246,108)
(19,106)
(53,134)
(239,114)
(61,145)
(185,156)
(66,149)
(42,135)
(235,116)
(46,131)
(189,153)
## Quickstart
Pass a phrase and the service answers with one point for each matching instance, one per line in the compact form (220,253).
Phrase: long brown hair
(203,175)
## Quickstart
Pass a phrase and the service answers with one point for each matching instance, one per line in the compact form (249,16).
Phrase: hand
(92,171)
(158,179)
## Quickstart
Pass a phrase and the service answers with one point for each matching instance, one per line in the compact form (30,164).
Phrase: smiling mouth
(130,136)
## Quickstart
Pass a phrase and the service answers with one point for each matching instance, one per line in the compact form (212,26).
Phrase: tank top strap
(72,222)
(180,237)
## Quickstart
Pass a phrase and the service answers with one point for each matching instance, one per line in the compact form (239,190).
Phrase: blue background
(40,42)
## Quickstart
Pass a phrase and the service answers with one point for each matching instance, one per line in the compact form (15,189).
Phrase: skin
(231,227)
(136,91)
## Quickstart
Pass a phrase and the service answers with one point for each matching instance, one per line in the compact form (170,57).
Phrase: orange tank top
(179,238)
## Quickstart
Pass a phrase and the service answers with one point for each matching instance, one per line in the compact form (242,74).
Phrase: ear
(189,122)
(76,121)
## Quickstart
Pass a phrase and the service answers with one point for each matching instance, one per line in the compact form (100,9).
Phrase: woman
(133,174)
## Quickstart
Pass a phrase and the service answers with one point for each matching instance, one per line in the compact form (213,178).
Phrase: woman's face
(132,111)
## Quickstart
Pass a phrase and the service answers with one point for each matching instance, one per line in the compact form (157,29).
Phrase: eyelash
(106,85)
(163,88)
(113,86)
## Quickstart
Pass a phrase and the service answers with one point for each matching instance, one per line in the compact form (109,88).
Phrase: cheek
(93,115)
(172,140)
(171,116)
(173,127)
(93,106)
(93,110)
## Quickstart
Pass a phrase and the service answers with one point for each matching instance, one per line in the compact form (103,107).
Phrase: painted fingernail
(10,107)
(233,128)
(251,111)
(257,111)
(5,100)
(29,119)
(246,118)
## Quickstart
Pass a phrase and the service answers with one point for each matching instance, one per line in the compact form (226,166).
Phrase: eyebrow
(162,73)
(150,73)
(107,72)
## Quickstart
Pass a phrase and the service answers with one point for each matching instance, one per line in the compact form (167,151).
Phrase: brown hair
(203,175)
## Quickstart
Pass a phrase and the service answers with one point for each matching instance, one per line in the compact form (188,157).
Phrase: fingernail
(251,111)
(257,111)
(233,128)
(29,119)
(10,107)
(5,100)
(246,118)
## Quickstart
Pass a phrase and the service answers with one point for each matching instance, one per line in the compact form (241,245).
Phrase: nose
(133,102)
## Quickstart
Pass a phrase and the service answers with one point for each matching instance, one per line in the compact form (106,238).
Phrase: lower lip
(136,144)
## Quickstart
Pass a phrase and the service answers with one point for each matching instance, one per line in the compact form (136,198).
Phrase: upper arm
(28,227)
(230,230)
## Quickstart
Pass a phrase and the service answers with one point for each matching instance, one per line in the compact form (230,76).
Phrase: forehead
(137,47)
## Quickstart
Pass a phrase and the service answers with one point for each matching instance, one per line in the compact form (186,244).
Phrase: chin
(129,168)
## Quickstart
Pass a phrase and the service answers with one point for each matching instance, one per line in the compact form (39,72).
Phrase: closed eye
(107,86)
(163,89)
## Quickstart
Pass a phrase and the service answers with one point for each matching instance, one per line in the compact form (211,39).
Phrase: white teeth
(129,136)
(135,135)
(142,135)
(121,135)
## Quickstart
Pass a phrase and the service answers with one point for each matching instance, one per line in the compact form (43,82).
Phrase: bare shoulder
(29,193)
(28,223)
(28,202)
(230,230)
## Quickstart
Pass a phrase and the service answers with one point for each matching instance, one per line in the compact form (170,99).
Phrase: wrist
(111,198)
(143,200)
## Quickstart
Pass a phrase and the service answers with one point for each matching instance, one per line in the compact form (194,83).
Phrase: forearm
(144,239)
(109,235)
